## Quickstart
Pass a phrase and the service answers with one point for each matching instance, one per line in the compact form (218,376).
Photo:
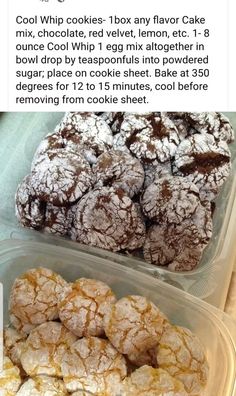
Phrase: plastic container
(20,134)
(210,324)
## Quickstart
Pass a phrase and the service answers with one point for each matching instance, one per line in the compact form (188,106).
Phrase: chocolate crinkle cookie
(204,162)
(170,200)
(120,170)
(61,177)
(149,136)
(215,124)
(29,209)
(142,184)
(179,246)
(86,129)
(106,217)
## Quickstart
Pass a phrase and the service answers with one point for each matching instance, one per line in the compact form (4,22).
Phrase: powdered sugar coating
(113,119)
(119,170)
(29,209)
(83,305)
(155,171)
(13,344)
(216,124)
(61,177)
(134,324)
(42,385)
(71,143)
(181,354)
(88,129)
(58,219)
(170,199)
(148,381)
(150,136)
(45,348)
(179,246)
(179,119)
(34,297)
(93,364)
(107,218)
(10,379)
(204,162)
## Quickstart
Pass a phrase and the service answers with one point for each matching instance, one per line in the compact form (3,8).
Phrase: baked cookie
(107,218)
(134,324)
(119,170)
(58,219)
(45,348)
(149,381)
(113,119)
(29,209)
(155,171)
(61,177)
(34,297)
(216,124)
(13,346)
(149,137)
(42,385)
(204,162)
(86,129)
(10,379)
(179,246)
(93,364)
(170,200)
(181,354)
(83,305)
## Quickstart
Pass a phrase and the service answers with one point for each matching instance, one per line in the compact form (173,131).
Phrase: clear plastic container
(20,134)
(208,323)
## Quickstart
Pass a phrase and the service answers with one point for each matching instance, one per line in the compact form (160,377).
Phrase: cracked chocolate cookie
(29,209)
(119,170)
(113,119)
(216,124)
(170,200)
(58,219)
(179,246)
(149,136)
(154,172)
(107,218)
(86,129)
(61,177)
(204,162)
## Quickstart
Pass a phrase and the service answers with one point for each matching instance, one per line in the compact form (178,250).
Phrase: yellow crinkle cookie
(83,305)
(43,386)
(182,355)
(93,364)
(148,381)
(10,379)
(34,297)
(134,324)
(45,348)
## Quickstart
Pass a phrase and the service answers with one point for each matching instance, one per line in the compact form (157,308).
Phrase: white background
(221,18)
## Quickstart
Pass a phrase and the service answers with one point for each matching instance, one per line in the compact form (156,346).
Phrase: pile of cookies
(141,184)
(78,339)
